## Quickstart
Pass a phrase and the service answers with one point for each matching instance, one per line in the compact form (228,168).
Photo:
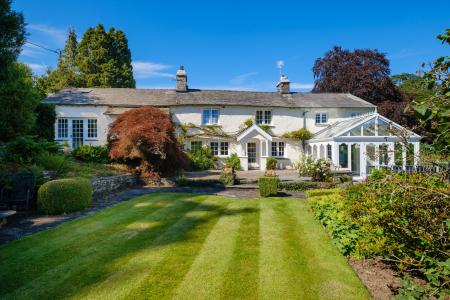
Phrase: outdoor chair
(22,189)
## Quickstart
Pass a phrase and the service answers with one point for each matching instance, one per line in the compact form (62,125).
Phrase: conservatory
(359,144)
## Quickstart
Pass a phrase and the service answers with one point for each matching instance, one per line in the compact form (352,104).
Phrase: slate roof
(125,97)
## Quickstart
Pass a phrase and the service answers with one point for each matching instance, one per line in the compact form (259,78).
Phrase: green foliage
(182,180)
(329,209)
(271,163)
(233,161)
(52,162)
(18,100)
(104,59)
(64,195)
(433,111)
(26,149)
(268,186)
(89,153)
(228,176)
(298,186)
(202,159)
(264,127)
(248,123)
(12,34)
(301,134)
(45,121)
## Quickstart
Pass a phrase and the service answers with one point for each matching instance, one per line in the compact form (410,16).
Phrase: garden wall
(105,185)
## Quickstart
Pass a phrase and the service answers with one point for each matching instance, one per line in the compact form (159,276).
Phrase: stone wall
(104,185)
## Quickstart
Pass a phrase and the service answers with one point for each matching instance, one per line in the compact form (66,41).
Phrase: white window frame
(62,129)
(201,145)
(92,129)
(210,120)
(214,148)
(321,115)
(224,148)
(266,117)
(278,148)
(354,114)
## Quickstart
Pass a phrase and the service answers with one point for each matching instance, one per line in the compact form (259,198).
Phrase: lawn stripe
(241,280)
(205,277)
(79,269)
(128,276)
(324,271)
(70,238)
(276,280)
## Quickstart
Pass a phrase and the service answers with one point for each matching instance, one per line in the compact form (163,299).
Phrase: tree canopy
(145,137)
(12,33)
(362,72)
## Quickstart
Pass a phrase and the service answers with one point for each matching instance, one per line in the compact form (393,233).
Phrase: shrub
(233,161)
(182,180)
(268,186)
(145,137)
(271,163)
(26,149)
(45,121)
(228,176)
(64,195)
(89,153)
(319,170)
(202,159)
(51,162)
(298,186)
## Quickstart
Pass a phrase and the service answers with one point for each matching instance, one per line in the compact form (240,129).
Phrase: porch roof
(252,129)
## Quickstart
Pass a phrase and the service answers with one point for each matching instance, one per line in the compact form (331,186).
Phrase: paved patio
(248,176)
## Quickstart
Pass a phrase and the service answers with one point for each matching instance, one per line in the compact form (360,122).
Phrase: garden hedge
(64,195)
(268,186)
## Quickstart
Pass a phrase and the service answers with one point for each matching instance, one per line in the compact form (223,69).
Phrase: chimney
(181,80)
(283,85)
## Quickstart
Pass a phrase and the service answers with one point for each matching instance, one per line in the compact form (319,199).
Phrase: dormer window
(263,117)
(210,116)
(321,118)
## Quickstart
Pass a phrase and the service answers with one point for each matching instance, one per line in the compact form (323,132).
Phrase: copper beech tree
(145,138)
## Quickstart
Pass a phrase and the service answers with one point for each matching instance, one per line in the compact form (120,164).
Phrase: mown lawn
(182,246)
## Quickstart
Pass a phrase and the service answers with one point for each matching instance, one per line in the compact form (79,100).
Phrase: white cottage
(347,129)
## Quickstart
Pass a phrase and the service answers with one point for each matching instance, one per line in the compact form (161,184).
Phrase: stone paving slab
(27,223)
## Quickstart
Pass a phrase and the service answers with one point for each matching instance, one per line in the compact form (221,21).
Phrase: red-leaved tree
(145,137)
(363,73)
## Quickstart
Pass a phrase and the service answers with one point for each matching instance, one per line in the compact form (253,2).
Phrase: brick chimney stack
(283,85)
(182,80)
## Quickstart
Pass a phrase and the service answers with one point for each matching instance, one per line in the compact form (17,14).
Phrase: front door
(77,133)
(251,153)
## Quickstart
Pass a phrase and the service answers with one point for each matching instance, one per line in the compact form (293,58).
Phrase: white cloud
(240,79)
(56,34)
(302,86)
(37,68)
(143,69)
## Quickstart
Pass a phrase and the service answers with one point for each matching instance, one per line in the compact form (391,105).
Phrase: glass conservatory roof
(366,125)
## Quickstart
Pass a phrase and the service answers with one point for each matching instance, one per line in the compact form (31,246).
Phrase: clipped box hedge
(268,186)
(64,195)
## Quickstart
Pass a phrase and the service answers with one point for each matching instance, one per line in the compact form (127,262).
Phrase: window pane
(356,131)
(214,148)
(62,128)
(383,154)
(410,155)
(196,145)
(329,152)
(92,128)
(343,156)
(215,116)
(369,128)
(206,116)
(317,118)
(398,152)
(383,128)
(281,149)
(224,148)
(267,117)
(274,149)
(259,117)
(324,118)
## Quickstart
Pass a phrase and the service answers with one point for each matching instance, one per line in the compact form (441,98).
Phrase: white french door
(252,157)
(77,133)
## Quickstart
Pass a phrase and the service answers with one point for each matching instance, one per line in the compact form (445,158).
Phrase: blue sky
(236,44)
